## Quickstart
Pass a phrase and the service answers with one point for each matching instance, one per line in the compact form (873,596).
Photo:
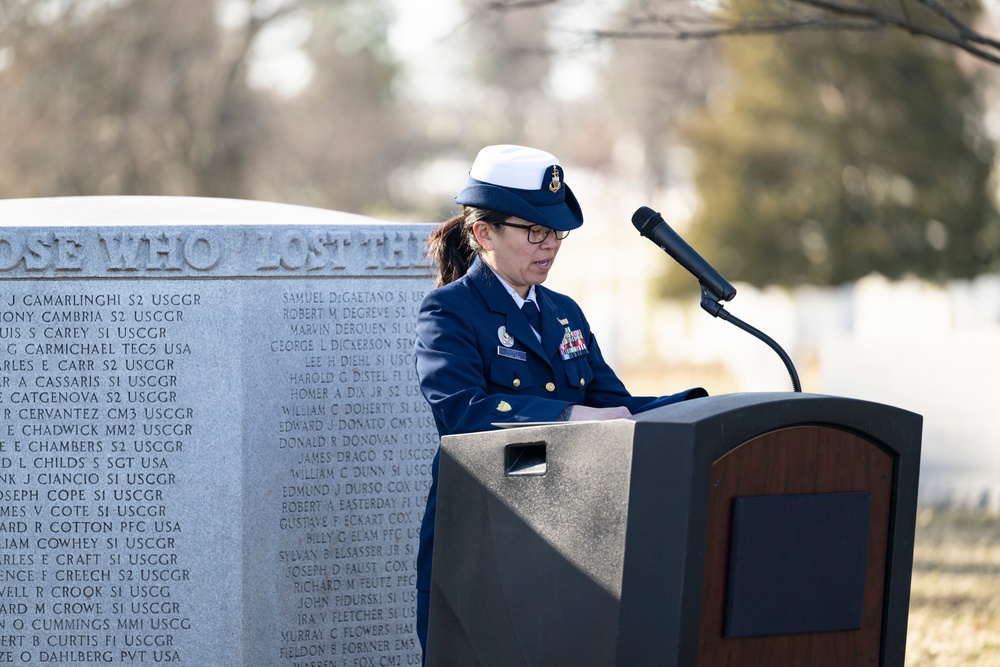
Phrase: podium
(738,530)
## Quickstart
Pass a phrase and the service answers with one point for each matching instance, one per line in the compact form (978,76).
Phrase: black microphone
(714,287)
(651,225)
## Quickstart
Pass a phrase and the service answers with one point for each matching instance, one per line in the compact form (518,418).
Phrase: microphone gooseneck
(714,288)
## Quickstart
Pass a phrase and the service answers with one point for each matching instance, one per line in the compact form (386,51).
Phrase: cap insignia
(555,183)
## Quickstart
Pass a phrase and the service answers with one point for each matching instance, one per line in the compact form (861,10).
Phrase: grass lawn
(955,596)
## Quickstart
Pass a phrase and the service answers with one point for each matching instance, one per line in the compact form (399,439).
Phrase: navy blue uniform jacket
(472,380)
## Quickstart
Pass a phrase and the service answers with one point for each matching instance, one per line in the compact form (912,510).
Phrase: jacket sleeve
(452,374)
(606,390)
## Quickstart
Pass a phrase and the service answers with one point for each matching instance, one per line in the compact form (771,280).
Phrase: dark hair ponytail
(453,245)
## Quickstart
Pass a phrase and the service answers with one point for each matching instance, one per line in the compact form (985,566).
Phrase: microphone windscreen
(643,217)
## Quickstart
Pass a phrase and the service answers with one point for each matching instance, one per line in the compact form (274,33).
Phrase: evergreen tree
(843,154)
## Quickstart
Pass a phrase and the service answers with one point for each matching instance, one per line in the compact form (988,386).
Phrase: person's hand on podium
(581,413)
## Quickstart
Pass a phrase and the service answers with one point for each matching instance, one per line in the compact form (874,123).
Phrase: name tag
(512,354)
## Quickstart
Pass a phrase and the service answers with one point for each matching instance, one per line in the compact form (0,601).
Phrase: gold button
(582,382)
(517,383)
(549,386)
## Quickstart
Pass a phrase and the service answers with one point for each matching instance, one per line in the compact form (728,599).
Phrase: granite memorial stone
(213,449)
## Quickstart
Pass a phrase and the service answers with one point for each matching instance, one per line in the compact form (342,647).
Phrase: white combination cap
(524,182)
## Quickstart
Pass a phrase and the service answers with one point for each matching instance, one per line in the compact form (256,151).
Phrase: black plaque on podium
(615,543)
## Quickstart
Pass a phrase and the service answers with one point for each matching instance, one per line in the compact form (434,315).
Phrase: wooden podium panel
(786,462)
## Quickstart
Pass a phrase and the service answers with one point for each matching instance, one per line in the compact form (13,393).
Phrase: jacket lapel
(552,331)
(499,301)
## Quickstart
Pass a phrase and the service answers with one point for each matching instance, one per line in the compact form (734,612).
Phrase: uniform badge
(505,338)
(572,345)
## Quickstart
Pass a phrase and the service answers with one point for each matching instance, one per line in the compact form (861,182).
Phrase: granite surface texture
(213,449)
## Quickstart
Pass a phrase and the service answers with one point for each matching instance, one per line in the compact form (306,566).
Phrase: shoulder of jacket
(453,291)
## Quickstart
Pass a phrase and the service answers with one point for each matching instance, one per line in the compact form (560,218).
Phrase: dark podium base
(751,529)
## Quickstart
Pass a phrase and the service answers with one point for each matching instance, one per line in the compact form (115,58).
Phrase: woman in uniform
(493,345)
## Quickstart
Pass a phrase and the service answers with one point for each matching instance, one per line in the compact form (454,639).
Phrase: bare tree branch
(965,39)
(734,30)
(963,28)
(938,22)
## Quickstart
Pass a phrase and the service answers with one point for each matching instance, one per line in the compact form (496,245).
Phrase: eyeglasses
(537,233)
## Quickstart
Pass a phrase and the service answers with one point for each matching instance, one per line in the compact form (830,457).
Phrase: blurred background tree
(333,144)
(144,97)
(953,23)
(843,138)
(509,58)
(843,154)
